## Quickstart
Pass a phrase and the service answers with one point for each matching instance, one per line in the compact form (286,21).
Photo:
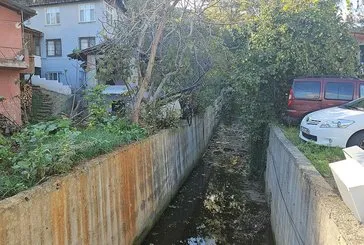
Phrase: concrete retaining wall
(304,208)
(114,199)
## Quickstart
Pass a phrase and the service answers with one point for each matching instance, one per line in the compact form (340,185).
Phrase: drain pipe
(22,27)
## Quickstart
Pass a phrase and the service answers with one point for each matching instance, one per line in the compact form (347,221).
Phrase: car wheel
(356,139)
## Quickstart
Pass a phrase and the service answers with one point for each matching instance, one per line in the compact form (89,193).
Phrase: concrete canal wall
(304,208)
(113,199)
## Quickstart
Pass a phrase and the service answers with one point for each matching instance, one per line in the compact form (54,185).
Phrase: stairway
(41,105)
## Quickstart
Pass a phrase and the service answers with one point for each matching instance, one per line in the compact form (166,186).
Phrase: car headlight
(341,123)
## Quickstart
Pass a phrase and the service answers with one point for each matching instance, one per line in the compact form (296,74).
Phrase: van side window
(339,91)
(309,90)
(361,90)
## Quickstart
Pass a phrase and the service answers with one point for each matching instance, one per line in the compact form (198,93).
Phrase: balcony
(13,58)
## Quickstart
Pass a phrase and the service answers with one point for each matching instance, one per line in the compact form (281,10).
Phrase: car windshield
(355,105)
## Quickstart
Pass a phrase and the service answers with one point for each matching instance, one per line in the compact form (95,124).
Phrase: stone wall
(113,199)
(304,208)
(46,104)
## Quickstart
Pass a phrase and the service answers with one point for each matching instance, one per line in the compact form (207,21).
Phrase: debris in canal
(219,203)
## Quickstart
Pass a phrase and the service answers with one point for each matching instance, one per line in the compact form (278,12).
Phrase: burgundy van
(314,93)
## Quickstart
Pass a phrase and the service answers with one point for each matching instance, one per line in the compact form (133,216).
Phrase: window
(110,14)
(37,46)
(87,12)
(37,71)
(54,76)
(339,91)
(361,54)
(53,16)
(54,47)
(307,90)
(86,42)
(361,92)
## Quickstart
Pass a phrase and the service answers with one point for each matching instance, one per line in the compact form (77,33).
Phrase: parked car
(341,126)
(314,93)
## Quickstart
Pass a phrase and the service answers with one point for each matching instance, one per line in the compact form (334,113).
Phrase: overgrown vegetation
(281,40)
(167,47)
(167,51)
(97,105)
(320,156)
(156,117)
(50,148)
(189,51)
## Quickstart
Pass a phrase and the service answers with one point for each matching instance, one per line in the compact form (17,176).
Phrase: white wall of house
(51,85)
(352,7)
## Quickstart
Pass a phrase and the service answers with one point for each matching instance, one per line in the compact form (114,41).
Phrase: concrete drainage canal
(219,203)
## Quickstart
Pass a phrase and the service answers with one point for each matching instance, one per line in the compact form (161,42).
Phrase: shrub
(157,117)
(5,153)
(39,150)
(97,105)
(51,148)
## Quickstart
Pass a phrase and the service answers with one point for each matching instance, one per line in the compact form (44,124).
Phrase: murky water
(218,204)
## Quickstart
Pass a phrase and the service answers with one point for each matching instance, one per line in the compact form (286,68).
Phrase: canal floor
(219,203)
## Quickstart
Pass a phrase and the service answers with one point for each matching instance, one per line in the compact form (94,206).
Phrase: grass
(95,142)
(39,151)
(320,156)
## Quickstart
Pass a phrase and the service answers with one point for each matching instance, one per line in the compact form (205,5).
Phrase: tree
(288,42)
(164,44)
(286,39)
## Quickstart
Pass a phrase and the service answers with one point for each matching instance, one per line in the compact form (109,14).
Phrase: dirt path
(218,204)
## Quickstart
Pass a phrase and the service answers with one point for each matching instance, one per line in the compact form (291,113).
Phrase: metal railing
(9,53)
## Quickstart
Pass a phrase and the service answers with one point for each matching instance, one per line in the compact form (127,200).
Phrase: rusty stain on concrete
(84,205)
(113,199)
(58,209)
(3,228)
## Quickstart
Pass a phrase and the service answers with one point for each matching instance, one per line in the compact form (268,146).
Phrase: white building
(353,9)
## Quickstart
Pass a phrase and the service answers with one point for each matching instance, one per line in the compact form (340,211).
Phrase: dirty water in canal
(219,203)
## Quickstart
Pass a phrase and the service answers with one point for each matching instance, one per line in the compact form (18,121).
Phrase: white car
(340,126)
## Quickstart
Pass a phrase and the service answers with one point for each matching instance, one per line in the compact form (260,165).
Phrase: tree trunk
(148,75)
